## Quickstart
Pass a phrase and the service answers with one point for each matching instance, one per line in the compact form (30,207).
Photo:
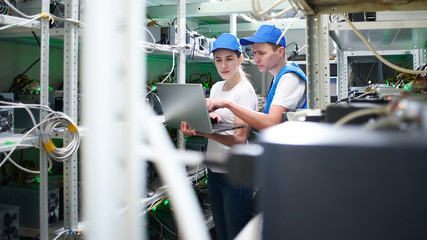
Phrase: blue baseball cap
(265,33)
(227,41)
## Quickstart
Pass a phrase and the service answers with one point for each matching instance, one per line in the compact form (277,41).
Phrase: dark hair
(274,46)
(237,52)
(243,74)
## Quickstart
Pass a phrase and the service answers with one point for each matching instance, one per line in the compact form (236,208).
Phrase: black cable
(15,86)
(34,63)
(35,36)
(296,44)
(358,74)
(209,30)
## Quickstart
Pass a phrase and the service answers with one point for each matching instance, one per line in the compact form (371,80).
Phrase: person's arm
(239,137)
(255,119)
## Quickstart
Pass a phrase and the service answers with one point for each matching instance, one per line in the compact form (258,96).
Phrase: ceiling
(151,3)
(216,13)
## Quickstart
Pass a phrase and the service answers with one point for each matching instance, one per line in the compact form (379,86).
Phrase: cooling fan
(4,8)
(6,120)
(53,207)
(57,9)
(6,115)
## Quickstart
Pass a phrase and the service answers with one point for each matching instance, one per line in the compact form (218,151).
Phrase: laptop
(186,102)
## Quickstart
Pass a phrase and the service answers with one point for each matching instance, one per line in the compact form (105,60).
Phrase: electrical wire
(154,40)
(360,113)
(51,122)
(286,29)
(62,233)
(161,224)
(159,233)
(375,52)
(20,23)
(173,66)
(47,126)
(41,15)
(257,11)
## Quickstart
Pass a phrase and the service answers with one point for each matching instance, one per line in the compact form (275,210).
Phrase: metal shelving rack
(70,35)
(318,32)
(403,37)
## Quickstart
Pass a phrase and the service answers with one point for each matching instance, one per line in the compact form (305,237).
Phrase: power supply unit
(6,115)
(26,197)
(9,222)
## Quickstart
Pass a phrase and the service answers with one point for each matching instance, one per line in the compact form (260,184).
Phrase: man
(287,90)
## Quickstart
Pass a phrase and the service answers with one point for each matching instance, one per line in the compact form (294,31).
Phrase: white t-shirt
(243,94)
(290,91)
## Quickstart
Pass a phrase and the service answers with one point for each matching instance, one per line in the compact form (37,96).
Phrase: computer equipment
(162,34)
(186,102)
(9,222)
(4,8)
(6,115)
(26,196)
(318,181)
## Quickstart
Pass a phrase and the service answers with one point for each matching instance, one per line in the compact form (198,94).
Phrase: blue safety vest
(290,67)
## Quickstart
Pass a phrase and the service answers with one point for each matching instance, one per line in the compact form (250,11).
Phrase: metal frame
(44,99)
(342,85)
(71,38)
(182,33)
(113,169)
(318,91)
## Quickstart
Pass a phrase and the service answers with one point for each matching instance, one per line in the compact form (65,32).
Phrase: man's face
(266,58)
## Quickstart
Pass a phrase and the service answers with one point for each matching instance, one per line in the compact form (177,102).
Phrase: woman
(230,205)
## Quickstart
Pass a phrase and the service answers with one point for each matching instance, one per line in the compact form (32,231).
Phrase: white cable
(47,126)
(60,234)
(286,29)
(25,169)
(256,9)
(17,11)
(153,38)
(36,16)
(375,52)
(53,121)
(173,65)
(21,105)
(7,156)
(174,175)
(19,24)
(362,95)
(360,113)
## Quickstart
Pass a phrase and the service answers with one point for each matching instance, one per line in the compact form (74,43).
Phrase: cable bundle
(51,123)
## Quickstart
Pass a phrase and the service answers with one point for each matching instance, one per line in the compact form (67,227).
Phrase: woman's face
(227,63)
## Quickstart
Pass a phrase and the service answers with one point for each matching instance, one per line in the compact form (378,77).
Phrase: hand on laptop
(187,130)
(215,117)
(215,103)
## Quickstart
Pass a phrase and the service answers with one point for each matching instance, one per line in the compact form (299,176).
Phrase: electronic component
(34,7)
(162,34)
(4,8)
(26,196)
(9,222)
(323,182)
(6,115)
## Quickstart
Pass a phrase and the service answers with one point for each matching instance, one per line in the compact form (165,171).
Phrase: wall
(16,57)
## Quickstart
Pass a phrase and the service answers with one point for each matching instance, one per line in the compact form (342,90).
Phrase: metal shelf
(389,35)
(312,7)
(9,141)
(70,36)
(165,52)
